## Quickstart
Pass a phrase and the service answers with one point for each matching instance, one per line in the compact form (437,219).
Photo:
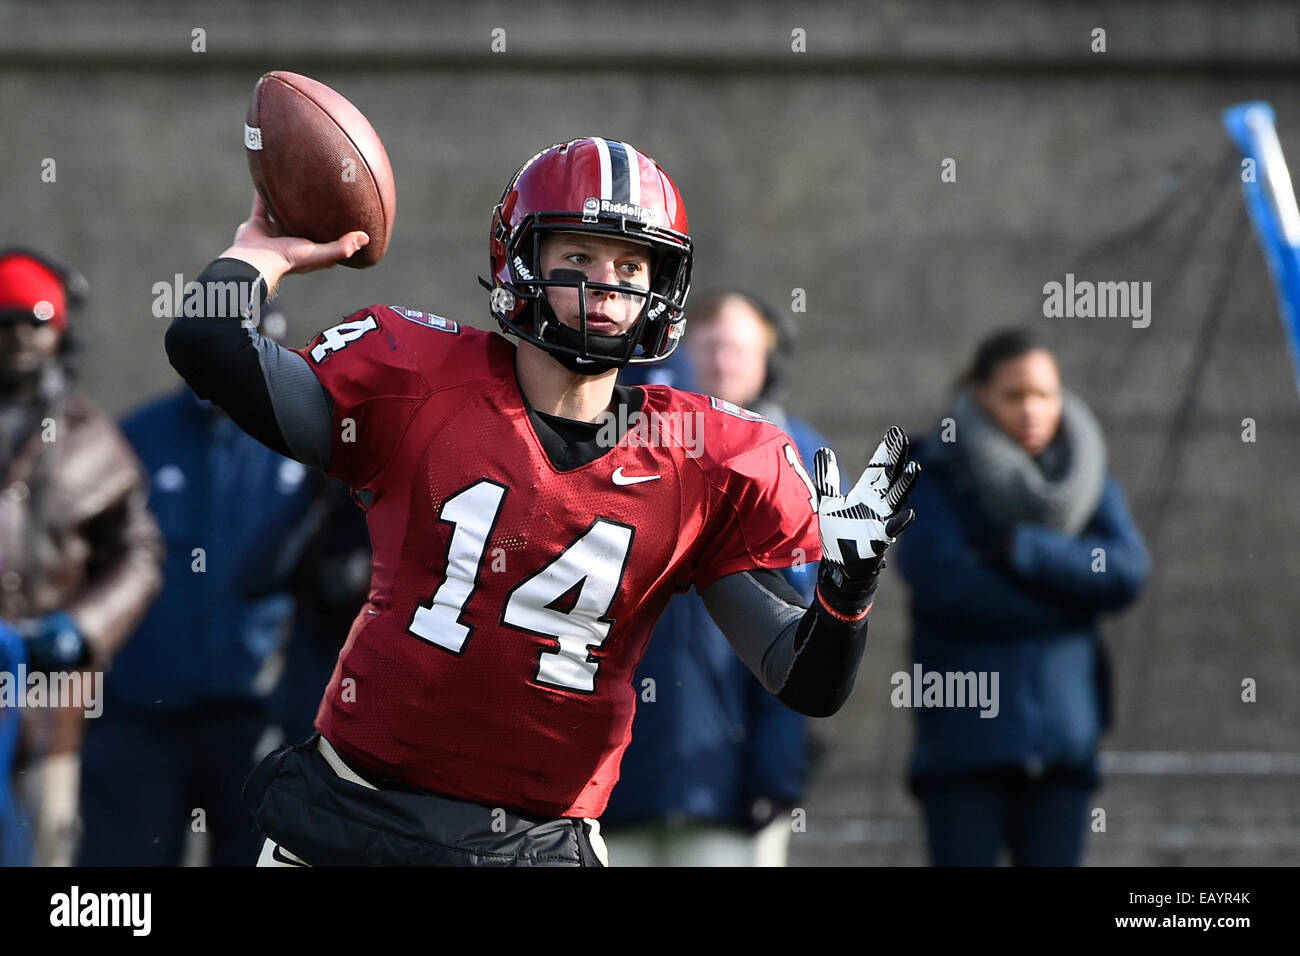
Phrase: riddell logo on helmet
(628,209)
(593,205)
(522,269)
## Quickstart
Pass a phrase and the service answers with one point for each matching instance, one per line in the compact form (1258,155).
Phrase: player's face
(1024,399)
(729,349)
(569,255)
(24,348)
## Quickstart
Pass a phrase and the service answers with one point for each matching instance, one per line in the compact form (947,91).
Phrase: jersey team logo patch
(427,319)
(731,408)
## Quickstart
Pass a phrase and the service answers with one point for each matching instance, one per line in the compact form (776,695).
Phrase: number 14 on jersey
(567,601)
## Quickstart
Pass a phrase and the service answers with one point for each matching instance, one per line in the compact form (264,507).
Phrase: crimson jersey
(511,602)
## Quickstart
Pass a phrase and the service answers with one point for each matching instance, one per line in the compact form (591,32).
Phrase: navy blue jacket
(1031,615)
(214,635)
(714,742)
(674,371)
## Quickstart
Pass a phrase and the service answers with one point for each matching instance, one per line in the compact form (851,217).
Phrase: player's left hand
(857,528)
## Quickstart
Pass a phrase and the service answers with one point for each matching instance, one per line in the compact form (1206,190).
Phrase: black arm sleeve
(807,657)
(266,389)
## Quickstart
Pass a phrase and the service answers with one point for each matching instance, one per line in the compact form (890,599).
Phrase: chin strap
(605,352)
(614,347)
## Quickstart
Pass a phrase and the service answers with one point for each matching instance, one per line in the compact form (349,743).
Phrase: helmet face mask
(587,186)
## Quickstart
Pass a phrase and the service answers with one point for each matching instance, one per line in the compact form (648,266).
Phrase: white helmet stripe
(606,177)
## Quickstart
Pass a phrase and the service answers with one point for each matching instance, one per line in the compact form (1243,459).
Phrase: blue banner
(1271,203)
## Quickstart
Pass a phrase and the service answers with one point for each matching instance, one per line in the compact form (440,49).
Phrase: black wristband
(843,594)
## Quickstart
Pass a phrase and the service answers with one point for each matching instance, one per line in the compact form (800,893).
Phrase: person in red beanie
(33,318)
(79,552)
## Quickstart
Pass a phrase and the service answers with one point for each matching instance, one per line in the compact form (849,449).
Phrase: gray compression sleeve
(807,657)
(266,389)
(301,404)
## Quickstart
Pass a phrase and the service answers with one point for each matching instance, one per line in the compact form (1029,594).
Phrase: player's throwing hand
(857,528)
(260,242)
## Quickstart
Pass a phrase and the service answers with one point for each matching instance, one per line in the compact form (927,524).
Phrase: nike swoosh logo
(622,479)
(278,855)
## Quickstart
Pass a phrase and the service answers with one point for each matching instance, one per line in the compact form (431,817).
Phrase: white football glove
(857,528)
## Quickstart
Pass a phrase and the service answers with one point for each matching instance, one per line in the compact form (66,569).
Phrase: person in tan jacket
(79,551)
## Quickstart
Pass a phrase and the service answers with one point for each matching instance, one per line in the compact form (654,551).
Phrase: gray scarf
(1061,488)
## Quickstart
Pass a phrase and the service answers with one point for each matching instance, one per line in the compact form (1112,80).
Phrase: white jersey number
(567,601)
(792,457)
(341,336)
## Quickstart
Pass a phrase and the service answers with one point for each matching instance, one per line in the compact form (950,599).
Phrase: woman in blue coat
(1022,540)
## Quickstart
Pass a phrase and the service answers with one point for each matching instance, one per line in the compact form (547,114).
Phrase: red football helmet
(598,186)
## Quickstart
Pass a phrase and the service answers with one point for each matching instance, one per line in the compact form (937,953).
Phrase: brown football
(319,165)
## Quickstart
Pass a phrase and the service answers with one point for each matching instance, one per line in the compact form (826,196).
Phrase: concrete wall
(817,171)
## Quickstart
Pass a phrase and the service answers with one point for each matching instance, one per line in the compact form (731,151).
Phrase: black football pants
(315,810)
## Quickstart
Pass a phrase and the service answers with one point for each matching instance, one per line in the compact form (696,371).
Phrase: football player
(530,520)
